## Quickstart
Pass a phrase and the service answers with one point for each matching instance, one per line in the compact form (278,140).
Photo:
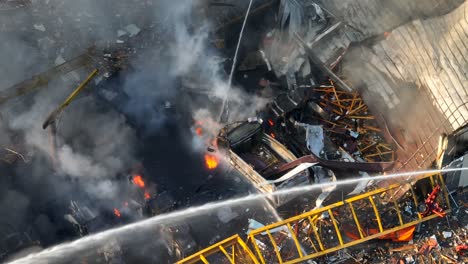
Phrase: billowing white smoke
(193,59)
(76,164)
(95,144)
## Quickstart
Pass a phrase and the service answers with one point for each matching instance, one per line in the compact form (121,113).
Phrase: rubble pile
(351,126)
(310,126)
(359,220)
(441,240)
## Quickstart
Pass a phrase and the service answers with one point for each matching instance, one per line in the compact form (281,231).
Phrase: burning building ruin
(151,131)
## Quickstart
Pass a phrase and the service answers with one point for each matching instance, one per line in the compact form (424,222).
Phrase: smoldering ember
(233,131)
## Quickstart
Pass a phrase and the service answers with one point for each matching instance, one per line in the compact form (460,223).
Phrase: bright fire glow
(199,131)
(147,195)
(211,161)
(116,212)
(271,122)
(138,181)
(273,135)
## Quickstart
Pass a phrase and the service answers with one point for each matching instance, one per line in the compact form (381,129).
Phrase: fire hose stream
(59,252)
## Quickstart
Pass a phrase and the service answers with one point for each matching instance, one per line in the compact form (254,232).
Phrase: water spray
(92,241)
(234,62)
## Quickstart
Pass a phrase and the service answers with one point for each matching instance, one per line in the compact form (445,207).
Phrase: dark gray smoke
(97,138)
(95,143)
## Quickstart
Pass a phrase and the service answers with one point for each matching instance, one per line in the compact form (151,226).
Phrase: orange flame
(271,122)
(273,135)
(199,131)
(211,161)
(138,181)
(116,212)
(147,195)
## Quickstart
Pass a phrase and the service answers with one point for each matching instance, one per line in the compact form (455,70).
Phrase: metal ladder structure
(325,230)
(42,79)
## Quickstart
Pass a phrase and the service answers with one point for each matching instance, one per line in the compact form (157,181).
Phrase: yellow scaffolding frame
(239,251)
(262,243)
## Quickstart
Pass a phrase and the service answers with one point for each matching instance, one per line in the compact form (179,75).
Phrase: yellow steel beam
(227,254)
(444,187)
(78,89)
(323,209)
(356,220)
(350,100)
(361,117)
(312,242)
(296,242)
(415,199)
(211,249)
(334,110)
(314,229)
(247,250)
(204,259)
(234,252)
(257,249)
(338,233)
(278,254)
(235,240)
(330,90)
(367,147)
(400,219)
(356,110)
(359,241)
(377,214)
(53,115)
(432,181)
(353,101)
(379,154)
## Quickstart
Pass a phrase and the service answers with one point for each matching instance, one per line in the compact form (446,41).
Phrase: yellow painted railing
(325,230)
(231,250)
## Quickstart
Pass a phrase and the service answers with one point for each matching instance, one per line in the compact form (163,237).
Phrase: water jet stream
(92,241)
(234,62)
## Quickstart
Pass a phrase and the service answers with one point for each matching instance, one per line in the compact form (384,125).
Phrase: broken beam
(53,115)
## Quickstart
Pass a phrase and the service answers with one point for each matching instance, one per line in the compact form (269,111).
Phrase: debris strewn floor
(114,112)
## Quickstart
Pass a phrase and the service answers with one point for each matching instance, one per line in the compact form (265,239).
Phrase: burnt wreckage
(75,218)
(317,127)
(331,129)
